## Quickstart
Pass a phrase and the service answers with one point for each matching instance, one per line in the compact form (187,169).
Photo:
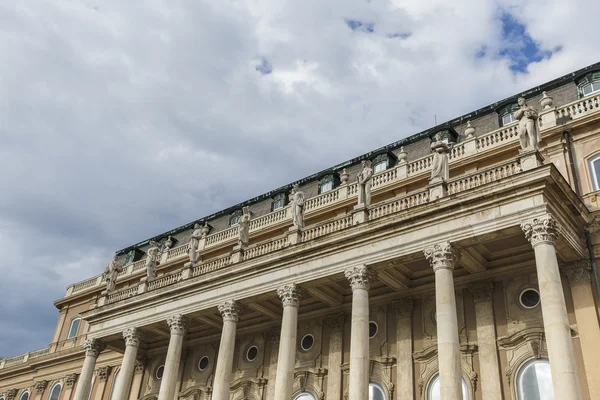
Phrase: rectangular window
(326,186)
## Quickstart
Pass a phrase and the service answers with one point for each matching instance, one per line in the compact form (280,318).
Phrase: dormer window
(589,84)
(278,201)
(326,183)
(235,217)
(506,114)
(382,162)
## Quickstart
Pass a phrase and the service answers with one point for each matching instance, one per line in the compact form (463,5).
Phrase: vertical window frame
(595,178)
(73,320)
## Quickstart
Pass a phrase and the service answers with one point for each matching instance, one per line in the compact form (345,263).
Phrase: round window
(307,342)
(159,372)
(373,328)
(529,298)
(252,353)
(203,363)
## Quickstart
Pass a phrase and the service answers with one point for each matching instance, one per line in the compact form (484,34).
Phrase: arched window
(589,84)
(304,396)
(376,392)
(506,114)
(55,391)
(74,327)
(594,164)
(534,381)
(24,395)
(433,389)
(326,183)
(278,201)
(112,392)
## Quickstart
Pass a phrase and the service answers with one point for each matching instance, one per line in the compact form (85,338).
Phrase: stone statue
(152,259)
(297,205)
(364,179)
(111,273)
(244,227)
(194,242)
(439,166)
(529,134)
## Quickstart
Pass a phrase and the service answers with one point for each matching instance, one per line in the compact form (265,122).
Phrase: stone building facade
(466,271)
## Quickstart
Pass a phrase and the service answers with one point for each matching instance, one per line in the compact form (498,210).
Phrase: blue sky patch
(357,25)
(265,67)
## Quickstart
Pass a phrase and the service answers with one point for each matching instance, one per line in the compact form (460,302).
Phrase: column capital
(442,256)
(336,321)
(359,277)
(290,295)
(577,271)
(70,380)
(40,386)
(178,324)
(230,310)
(93,347)
(103,373)
(133,337)
(482,291)
(544,229)
(403,307)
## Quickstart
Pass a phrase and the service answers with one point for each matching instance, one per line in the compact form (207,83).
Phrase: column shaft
(404,349)
(336,351)
(132,343)
(229,311)
(275,336)
(168,385)
(92,350)
(287,353)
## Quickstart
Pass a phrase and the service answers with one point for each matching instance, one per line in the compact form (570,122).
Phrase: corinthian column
(230,311)
(92,347)
(290,298)
(178,324)
(360,281)
(443,257)
(334,369)
(486,341)
(578,273)
(404,346)
(132,337)
(542,233)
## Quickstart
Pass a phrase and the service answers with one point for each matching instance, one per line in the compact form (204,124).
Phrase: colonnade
(443,257)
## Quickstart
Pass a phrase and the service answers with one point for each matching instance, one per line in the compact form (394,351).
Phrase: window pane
(586,89)
(24,396)
(382,166)
(55,393)
(326,187)
(304,396)
(433,392)
(596,172)
(535,381)
(595,86)
(375,392)
(73,328)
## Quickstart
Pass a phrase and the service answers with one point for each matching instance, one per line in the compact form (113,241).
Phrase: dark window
(529,298)
(252,353)
(373,328)
(203,363)
(159,372)
(235,217)
(278,201)
(307,342)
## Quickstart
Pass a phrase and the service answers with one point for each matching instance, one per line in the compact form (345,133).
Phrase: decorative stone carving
(132,336)
(344,177)
(439,166)
(442,255)
(244,227)
(482,291)
(403,307)
(364,179)
(577,271)
(229,310)
(543,229)
(169,242)
(546,101)
(297,205)
(40,386)
(205,229)
(529,134)
(193,244)
(152,259)
(402,154)
(290,295)
(111,273)
(103,373)
(70,380)
(336,321)
(93,347)
(469,130)
(139,367)
(359,277)
(11,394)
(178,324)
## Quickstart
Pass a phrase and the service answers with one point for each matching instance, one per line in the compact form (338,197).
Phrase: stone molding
(11,394)
(230,310)
(482,291)
(40,386)
(132,336)
(93,347)
(139,367)
(544,229)
(275,336)
(103,373)
(442,256)
(335,322)
(290,295)
(178,324)
(360,277)
(70,380)
(403,307)
(577,271)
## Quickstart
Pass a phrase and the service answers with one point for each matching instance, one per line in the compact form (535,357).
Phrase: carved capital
(139,367)
(290,295)
(482,291)
(70,380)
(403,307)
(543,229)
(93,347)
(40,386)
(442,256)
(230,310)
(103,373)
(178,324)
(359,277)
(577,271)
(335,322)
(132,336)
(11,394)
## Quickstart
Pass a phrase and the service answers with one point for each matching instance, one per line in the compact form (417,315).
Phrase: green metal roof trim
(563,80)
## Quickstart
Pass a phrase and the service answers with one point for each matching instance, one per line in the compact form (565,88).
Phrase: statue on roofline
(529,134)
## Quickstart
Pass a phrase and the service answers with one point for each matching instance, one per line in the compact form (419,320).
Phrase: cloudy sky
(120,119)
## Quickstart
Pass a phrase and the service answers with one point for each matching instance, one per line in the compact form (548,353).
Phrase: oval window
(203,363)
(529,298)
(373,329)
(159,372)
(251,353)
(307,342)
